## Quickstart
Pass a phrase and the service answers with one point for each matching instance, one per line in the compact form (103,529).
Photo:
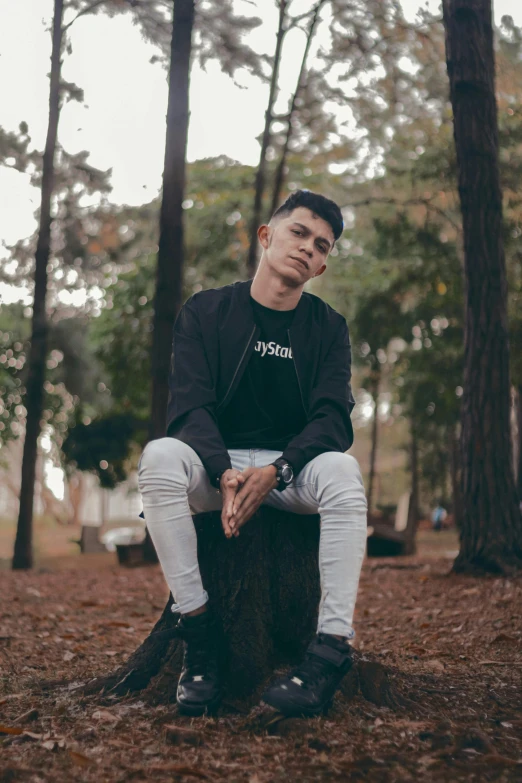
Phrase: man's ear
(263,234)
(320,271)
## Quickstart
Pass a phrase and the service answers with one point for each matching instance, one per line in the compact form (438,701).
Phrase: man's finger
(247,510)
(245,516)
(228,499)
(226,526)
(238,502)
(240,496)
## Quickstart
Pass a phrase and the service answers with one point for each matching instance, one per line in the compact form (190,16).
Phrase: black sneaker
(200,684)
(309,688)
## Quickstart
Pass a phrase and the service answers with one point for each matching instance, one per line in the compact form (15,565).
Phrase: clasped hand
(243,491)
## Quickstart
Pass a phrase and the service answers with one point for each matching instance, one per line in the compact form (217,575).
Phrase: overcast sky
(122,122)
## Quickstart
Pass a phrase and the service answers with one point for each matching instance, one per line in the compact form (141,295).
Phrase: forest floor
(452,646)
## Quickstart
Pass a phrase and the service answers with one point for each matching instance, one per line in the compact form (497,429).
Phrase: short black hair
(324,207)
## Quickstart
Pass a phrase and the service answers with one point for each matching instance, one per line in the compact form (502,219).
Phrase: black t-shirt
(266,410)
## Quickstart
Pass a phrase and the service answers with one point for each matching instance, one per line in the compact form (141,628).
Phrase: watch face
(287,474)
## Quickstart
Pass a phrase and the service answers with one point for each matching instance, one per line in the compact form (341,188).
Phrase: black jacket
(214,337)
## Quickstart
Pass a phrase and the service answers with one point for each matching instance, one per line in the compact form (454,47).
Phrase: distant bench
(396,536)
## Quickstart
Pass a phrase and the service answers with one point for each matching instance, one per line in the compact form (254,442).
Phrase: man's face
(297,245)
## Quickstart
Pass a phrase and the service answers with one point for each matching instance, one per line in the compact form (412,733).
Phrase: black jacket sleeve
(192,399)
(329,426)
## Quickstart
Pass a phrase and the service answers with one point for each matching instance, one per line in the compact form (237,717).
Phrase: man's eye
(297,232)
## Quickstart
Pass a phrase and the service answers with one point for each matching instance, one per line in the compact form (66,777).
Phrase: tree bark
(519,469)
(491,533)
(280,171)
(456,476)
(23,548)
(265,588)
(264,585)
(414,501)
(376,378)
(261,169)
(169,271)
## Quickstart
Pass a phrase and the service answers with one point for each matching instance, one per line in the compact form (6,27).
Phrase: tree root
(494,564)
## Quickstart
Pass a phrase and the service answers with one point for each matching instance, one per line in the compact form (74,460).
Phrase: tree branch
(87,10)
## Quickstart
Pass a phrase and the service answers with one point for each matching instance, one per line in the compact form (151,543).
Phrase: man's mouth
(300,261)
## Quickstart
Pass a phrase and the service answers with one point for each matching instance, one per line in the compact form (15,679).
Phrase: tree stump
(264,585)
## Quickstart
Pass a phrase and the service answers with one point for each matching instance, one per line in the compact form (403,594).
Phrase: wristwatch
(285,473)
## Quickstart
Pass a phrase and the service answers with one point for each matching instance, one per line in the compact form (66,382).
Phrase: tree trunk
(261,169)
(280,171)
(491,534)
(456,476)
(376,379)
(519,470)
(414,501)
(264,585)
(33,401)
(169,272)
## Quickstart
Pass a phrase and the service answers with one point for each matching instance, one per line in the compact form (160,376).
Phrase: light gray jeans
(174,485)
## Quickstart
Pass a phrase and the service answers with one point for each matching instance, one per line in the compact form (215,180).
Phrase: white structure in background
(97,507)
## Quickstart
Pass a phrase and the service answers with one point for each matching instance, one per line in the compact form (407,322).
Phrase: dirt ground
(452,645)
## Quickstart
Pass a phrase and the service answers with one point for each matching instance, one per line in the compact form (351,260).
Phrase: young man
(259,412)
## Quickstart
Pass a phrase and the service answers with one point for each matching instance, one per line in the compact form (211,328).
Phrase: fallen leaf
(435,665)
(80,759)
(495,758)
(503,637)
(179,769)
(177,735)
(32,735)
(110,653)
(10,696)
(10,730)
(292,727)
(500,663)
(28,716)
(68,656)
(117,624)
(105,716)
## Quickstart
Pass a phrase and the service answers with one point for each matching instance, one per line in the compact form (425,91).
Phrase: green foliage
(69,373)
(122,336)
(102,446)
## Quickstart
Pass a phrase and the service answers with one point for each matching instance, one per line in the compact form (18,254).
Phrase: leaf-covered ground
(452,645)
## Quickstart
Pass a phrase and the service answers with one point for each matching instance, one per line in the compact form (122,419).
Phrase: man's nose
(307,247)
